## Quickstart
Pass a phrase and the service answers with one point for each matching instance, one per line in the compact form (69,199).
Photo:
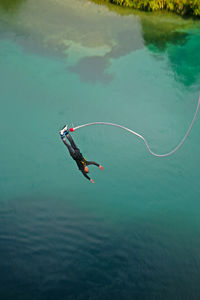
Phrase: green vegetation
(182,7)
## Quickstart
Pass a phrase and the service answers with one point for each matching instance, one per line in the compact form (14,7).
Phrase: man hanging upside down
(75,153)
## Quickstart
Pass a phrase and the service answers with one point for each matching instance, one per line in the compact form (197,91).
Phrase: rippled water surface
(134,234)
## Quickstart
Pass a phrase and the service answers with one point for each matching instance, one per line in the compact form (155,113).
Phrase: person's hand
(92,180)
(101,167)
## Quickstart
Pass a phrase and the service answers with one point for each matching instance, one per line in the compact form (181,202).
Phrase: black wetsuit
(77,155)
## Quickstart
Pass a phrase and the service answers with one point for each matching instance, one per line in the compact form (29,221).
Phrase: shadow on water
(96,68)
(11,5)
(93,69)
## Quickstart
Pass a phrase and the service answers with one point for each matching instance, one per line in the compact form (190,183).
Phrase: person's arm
(86,176)
(94,163)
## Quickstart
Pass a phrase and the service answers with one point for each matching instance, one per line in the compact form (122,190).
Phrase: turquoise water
(134,234)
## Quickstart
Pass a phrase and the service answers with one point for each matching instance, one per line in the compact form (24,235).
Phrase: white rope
(141,137)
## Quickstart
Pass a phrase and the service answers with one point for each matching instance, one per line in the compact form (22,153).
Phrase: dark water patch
(186,66)
(83,257)
(93,69)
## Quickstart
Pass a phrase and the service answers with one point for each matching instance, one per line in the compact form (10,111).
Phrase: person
(75,153)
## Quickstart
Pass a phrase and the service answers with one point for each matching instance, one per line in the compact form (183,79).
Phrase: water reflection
(96,68)
(185,60)
(161,34)
(90,36)
(169,36)
(180,44)
(11,5)
(128,41)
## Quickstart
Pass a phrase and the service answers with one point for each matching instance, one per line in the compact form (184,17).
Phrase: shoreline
(177,7)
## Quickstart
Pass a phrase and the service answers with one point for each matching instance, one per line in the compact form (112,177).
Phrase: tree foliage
(183,7)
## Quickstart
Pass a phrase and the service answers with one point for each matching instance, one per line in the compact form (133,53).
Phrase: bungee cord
(141,137)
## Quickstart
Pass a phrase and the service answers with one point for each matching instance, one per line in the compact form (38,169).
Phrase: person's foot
(64,130)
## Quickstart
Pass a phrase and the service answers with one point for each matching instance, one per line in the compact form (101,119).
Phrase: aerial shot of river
(135,233)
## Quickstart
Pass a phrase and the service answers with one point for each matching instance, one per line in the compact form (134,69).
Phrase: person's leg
(69,147)
(63,131)
(71,141)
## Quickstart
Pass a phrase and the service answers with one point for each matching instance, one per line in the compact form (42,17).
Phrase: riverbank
(181,7)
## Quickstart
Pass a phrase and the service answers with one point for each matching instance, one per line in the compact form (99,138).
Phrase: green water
(134,234)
